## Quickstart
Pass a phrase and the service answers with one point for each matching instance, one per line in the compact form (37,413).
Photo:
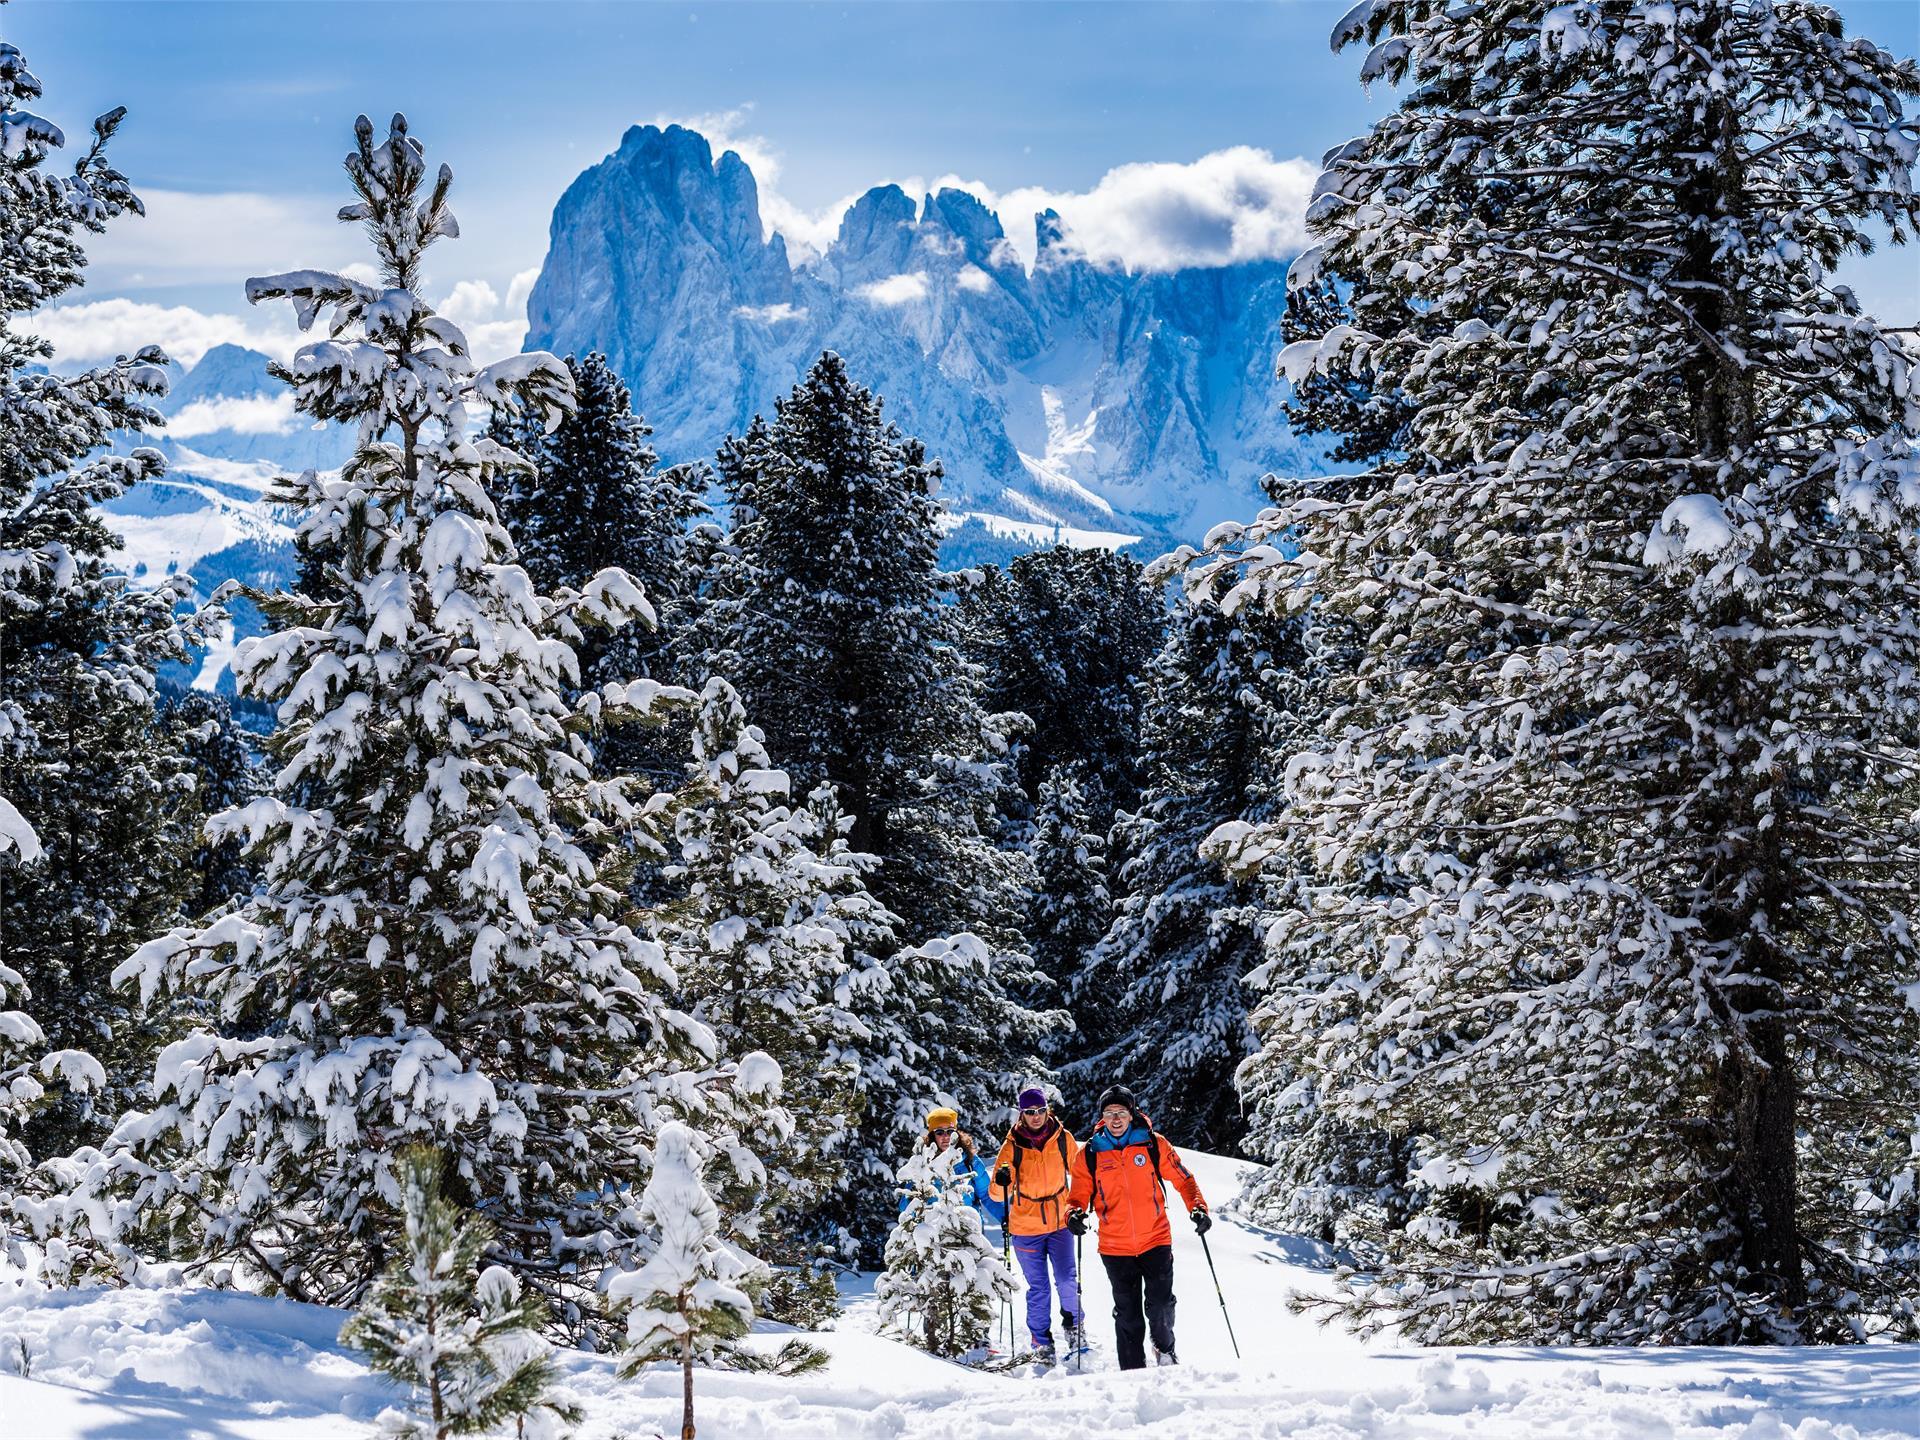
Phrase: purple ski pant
(1035,1252)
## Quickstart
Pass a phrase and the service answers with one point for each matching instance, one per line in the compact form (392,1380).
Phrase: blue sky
(240,113)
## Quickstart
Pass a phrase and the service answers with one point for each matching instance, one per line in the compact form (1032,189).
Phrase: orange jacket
(1037,1199)
(1118,1181)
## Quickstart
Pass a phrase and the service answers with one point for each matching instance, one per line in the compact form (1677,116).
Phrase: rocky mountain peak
(1078,401)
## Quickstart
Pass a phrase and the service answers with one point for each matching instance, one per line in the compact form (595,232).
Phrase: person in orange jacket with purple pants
(1122,1176)
(1031,1175)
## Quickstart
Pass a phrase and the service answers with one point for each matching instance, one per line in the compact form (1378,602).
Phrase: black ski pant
(1142,1301)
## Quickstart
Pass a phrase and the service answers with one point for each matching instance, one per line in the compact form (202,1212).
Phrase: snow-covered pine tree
(691,1302)
(1161,997)
(464,1340)
(1616,809)
(27,1068)
(848,660)
(1072,904)
(1064,637)
(226,775)
(431,957)
(1368,421)
(758,935)
(597,498)
(846,654)
(944,1280)
(891,993)
(92,791)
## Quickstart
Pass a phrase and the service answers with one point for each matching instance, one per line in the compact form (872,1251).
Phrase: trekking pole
(1207,1250)
(1006,1259)
(1080,1315)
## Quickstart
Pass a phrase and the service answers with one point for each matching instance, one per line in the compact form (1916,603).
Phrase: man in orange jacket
(1121,1177)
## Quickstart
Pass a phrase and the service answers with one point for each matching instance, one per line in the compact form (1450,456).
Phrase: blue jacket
(977,1195)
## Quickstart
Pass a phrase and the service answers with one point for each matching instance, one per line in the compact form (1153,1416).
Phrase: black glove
(1202,1222)
(1077,1221)
(1003,1177)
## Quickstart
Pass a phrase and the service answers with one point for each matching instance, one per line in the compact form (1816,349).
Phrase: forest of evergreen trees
(1512,840)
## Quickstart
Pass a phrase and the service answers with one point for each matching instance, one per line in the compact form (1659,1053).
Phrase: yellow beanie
(938,1119)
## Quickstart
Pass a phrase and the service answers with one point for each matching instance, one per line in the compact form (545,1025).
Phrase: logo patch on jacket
(1140,1159)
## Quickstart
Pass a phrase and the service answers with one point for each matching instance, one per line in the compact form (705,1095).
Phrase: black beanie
(1116,1095)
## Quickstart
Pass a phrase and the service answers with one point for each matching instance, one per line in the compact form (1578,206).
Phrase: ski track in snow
(202,1365)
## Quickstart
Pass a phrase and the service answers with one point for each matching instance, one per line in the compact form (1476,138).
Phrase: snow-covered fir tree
(1610,834)
(463,1337)
(431,956)
(846,654)
(1161,997)
(92,791)
(944,1280)
(1368,420)
(225,775)
(597,497)
(848,660)
(1072,904)
(759,935)
(30,1076)
(1064,636)
(691,1302)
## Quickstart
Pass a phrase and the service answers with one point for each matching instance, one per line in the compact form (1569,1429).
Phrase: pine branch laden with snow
(944,1281)
(762,936)
(1606,851)
(463,1337)
(88,829)
(431,956)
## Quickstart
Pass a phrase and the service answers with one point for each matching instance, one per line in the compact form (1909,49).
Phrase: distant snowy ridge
(1070,398)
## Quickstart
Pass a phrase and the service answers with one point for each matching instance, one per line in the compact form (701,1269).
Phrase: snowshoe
(1164,1357)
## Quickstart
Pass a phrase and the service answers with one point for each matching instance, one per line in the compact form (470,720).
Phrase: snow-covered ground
(194,1365)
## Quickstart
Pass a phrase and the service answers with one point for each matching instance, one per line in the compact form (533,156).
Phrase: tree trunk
(686,1387)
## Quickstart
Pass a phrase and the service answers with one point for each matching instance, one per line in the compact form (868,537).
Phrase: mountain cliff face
(1070,398)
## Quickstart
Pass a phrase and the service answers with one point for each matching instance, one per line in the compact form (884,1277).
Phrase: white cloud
(771,314)
(1225,208)
(494,329)
(896,289)
(244,415)
(973,278)
(469,302)
(219,239)
(101,329)
(519,288)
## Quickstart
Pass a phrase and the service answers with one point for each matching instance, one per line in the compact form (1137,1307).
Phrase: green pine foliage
(1163,991)
(944,1282)
(1063,636)
(93,793)
(460,1335)
(847,656)
(1597,874)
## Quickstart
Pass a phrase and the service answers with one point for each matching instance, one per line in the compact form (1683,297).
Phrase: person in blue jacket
(943,1129)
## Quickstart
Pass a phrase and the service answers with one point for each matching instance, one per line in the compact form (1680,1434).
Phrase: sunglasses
(944,1130)
(1034,1110)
